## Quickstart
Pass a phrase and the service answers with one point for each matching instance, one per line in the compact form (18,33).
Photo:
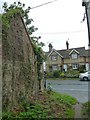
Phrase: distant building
(66,59)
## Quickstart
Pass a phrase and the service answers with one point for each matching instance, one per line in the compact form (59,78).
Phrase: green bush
(59,74)
(82,68)
(72,74)
(49,74)
(36,111)
(7,116)
(62,74)
(56,74)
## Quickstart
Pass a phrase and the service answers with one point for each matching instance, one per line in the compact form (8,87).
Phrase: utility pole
(86,4)
(44,67)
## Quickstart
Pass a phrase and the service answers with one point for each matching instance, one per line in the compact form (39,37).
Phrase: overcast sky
(58,22)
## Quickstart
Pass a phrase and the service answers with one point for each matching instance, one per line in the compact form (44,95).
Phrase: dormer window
(54,57)
(74,55)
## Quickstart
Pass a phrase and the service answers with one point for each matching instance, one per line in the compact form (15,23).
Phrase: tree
(24,12)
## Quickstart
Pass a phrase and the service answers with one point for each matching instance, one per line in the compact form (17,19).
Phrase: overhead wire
(65,32)
(43,4)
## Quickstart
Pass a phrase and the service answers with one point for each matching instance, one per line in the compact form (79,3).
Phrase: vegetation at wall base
(86,109)
(45,105)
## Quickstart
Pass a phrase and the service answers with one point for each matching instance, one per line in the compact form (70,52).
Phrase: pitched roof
(88,53)
(65,52)
(55,52)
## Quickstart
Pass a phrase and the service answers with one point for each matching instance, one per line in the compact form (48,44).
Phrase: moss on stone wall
(19,64)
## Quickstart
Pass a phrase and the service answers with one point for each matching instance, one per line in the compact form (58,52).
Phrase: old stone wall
(19,64)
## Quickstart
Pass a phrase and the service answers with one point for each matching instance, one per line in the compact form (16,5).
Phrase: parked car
(84,76)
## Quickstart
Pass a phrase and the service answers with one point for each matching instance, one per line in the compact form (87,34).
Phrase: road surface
(78,89)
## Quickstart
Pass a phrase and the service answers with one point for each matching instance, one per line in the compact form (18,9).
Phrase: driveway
(78,89)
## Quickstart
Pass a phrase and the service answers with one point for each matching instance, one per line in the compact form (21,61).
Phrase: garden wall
(19,64)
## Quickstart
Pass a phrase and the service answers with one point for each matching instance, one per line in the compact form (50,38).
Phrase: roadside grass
(86,109)
(48,104)
(63,98)
(66,100)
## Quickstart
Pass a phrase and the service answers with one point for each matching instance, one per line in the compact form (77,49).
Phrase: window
(74,56)
(75,66)
(54,67)
(53,57)
(88,72)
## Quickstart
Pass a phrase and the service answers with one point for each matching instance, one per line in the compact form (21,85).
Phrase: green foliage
(7,116)
(49,88)
(0,17)
(49,74)
(30,111)
(62,74)
(64,98)
(72,73)
(86,108)
(53,74)
(82,68)
(45,108)
(70,113)
(56,74)
(19,7)
(34,112)
(59,74)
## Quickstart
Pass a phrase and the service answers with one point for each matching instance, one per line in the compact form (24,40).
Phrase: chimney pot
(50,47)
(67,44)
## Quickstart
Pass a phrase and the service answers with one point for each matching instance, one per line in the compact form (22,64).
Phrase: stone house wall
(50,62)
(81,60)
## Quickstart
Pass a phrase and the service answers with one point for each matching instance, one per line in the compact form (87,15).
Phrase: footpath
(78,112)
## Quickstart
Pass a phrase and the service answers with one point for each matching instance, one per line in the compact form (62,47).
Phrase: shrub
(49,74)
(7,116)
(56,74)
(36,111)
(62,74)
(72,73)
(82,68)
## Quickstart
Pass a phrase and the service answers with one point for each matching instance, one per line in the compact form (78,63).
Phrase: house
(66,59)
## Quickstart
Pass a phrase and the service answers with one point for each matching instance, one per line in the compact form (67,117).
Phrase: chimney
(67,45)
(50,47)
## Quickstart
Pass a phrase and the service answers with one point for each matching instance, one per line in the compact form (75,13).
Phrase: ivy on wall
(19,7)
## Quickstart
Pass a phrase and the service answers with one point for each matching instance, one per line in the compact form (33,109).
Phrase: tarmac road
(78,89)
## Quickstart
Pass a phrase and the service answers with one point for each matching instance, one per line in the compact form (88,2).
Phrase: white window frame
(54,67)
(53,57)
(74,56)
(74,66)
